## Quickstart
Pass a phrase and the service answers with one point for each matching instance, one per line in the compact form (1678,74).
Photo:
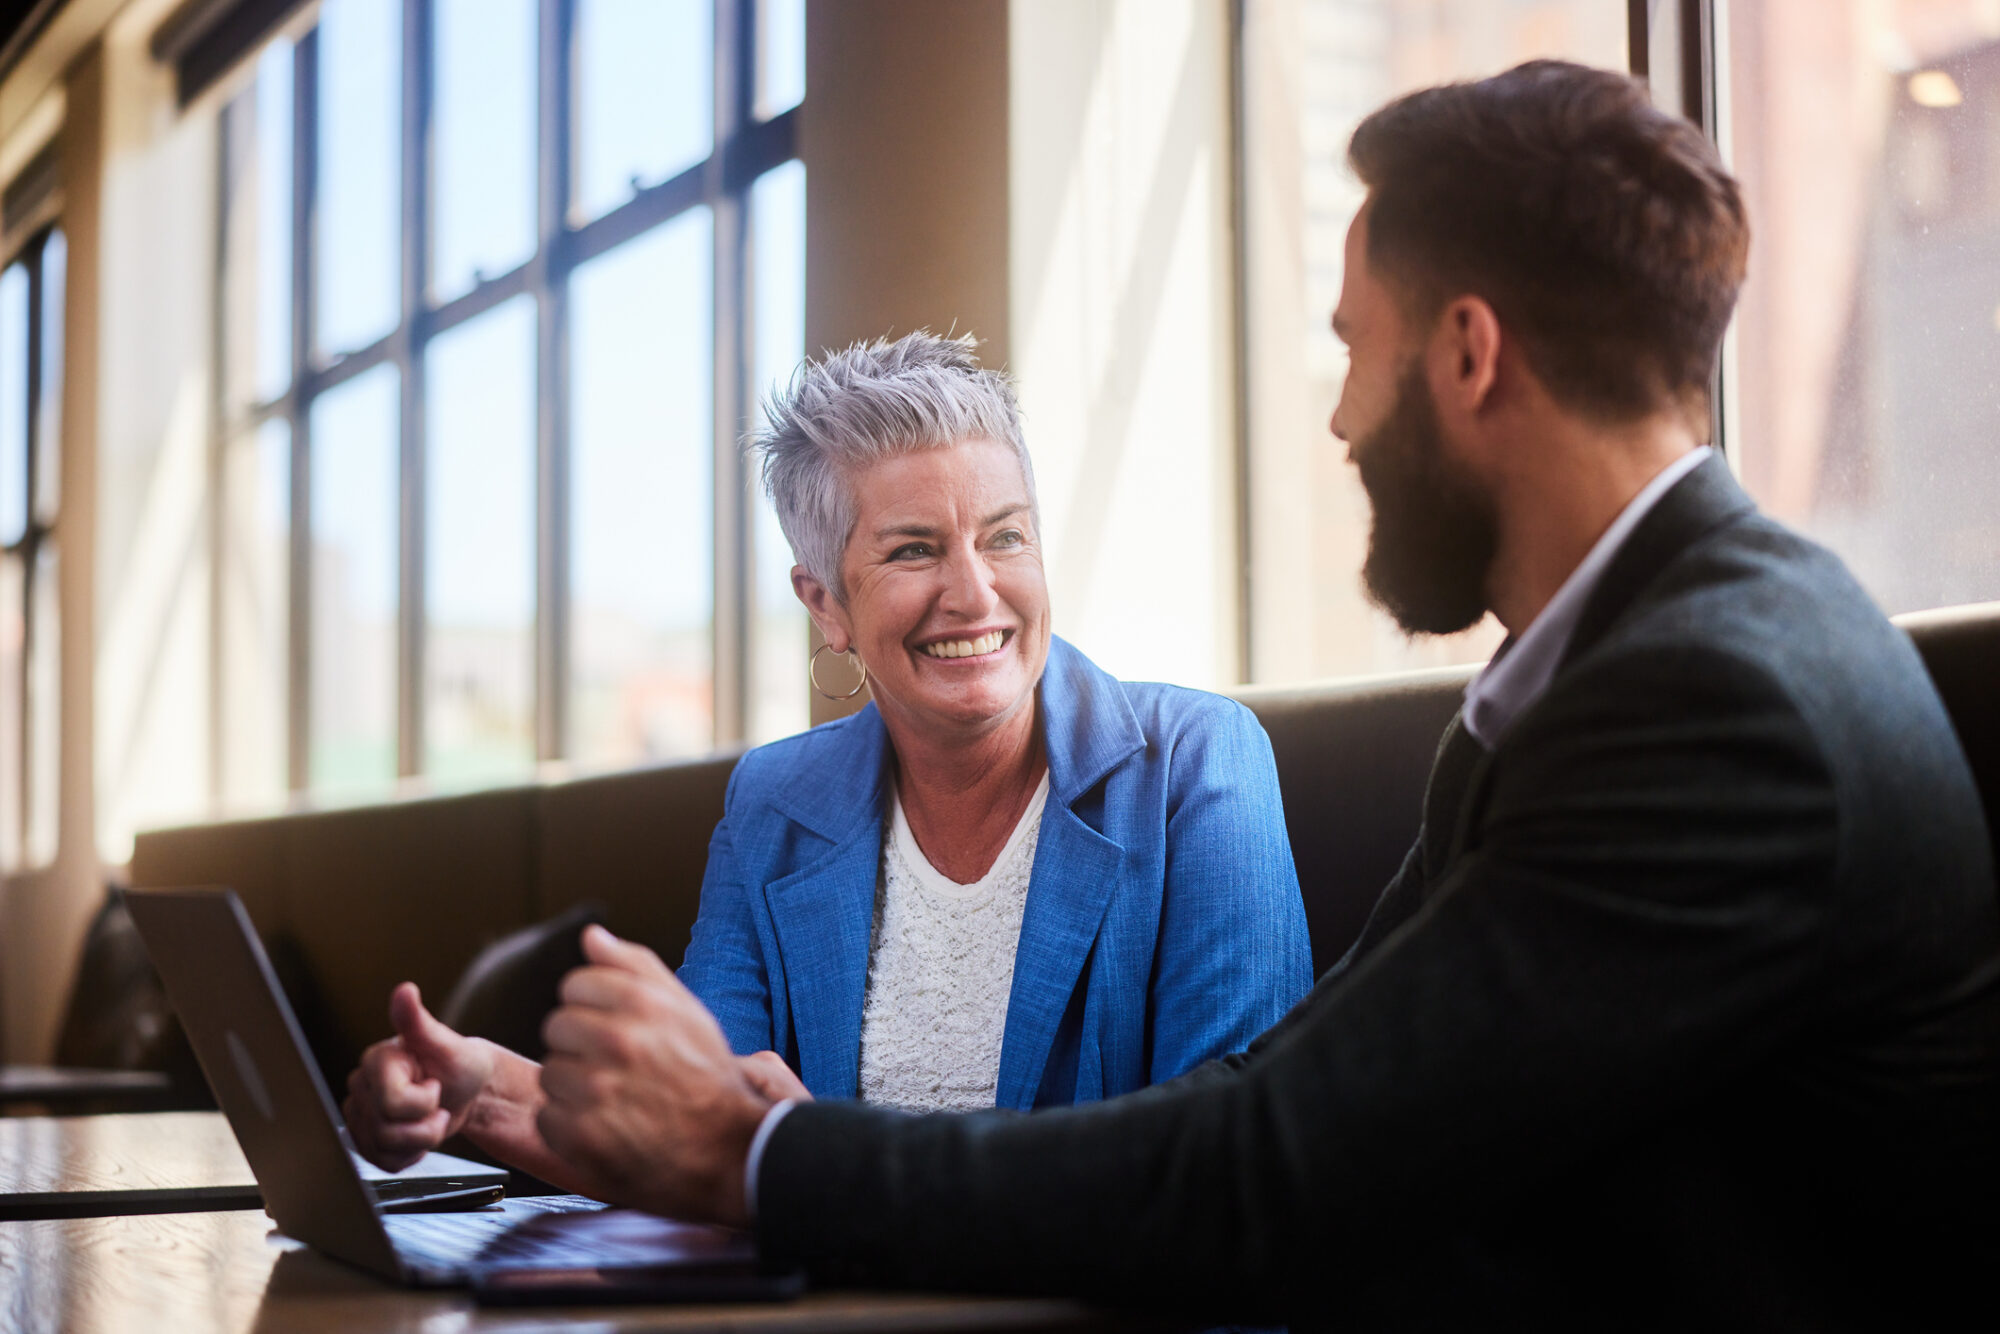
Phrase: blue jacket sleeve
(725,966)
(1233,954)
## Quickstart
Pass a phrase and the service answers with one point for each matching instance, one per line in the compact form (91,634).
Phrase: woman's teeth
(967,648)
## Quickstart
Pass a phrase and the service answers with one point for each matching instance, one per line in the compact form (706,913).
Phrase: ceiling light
(1934,88)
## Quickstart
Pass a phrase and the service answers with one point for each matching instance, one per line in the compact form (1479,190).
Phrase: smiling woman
(1011,879)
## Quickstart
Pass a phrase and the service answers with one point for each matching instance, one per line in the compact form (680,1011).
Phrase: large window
(502,281)
(1857,393)
(1312,70)
(31,304)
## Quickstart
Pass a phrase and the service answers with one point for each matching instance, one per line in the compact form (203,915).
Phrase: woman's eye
(910,551)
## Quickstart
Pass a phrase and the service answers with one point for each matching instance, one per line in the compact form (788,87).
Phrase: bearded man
(1684,1010)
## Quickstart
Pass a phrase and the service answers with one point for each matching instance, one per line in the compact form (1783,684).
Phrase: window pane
(1867,345)
(642,496)
(479,652)
(272,193)
(257,237)
(13,403)
(781,56)
(48,403)
(1314,68)
(644,95)
(256,625)
(354,563)
(44,710)
(484,126)
(360,197)
(779,636)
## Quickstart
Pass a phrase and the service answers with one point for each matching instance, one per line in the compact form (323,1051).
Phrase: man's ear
(1465,356)
(824,608)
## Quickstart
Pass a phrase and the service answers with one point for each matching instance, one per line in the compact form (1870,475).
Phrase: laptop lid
(249,1044)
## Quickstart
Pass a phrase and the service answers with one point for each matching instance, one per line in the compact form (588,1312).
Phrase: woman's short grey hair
(869,402)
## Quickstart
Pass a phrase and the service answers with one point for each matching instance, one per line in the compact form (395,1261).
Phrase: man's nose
(1340,435)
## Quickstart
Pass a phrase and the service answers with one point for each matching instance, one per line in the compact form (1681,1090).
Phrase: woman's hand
(415,1090)
(770,1076)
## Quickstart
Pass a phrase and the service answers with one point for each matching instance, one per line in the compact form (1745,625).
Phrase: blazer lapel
(1461,762)
(1088,729)
(1704,499)
(823,914)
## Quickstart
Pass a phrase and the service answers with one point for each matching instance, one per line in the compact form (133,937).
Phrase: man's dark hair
(1605,233)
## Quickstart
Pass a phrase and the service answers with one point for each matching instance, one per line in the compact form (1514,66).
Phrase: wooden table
(56,1166)
(83,1166)
(68,1262)
(220,1273)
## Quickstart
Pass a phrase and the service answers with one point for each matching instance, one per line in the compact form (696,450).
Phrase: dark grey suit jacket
(1683,1013)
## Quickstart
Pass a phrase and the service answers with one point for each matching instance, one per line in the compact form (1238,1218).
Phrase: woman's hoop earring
(812,671)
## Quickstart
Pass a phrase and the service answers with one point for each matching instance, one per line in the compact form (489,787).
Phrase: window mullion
(734,79)
(407,350)
(305,160)
(227,139)
(548,279)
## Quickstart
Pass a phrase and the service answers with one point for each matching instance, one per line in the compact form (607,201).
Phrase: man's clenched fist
(643,1095)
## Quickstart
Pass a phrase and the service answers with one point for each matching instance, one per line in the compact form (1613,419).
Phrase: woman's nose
(968,586)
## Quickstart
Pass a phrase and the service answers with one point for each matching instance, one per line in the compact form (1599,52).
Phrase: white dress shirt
(1506,686)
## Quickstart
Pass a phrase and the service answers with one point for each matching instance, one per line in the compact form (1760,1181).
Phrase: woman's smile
(967,649)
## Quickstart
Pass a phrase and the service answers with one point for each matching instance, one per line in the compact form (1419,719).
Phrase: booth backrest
(1352,762)
(1961,650)
(413,889)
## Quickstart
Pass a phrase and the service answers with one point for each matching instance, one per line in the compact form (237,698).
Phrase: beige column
(904,138)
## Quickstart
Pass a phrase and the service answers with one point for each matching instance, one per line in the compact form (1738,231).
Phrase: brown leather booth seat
(1961,650)
(1352,761)
(413,889)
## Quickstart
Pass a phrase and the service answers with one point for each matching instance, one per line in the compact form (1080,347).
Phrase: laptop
(561,1247)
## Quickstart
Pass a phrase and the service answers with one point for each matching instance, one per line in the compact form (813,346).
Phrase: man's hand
(645,1100)
(414,1091)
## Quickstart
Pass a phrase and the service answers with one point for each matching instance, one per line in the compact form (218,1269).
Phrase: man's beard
(1434,531)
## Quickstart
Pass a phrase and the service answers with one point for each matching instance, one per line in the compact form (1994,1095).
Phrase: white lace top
(940,969)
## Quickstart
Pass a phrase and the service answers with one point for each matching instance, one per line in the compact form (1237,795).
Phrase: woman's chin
(969,704)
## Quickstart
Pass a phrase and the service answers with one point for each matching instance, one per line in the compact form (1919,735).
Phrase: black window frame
(743,149)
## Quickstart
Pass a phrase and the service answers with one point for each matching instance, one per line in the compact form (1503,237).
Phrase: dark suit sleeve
(1649,887)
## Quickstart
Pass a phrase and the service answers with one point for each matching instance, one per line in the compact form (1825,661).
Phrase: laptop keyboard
(454,1241)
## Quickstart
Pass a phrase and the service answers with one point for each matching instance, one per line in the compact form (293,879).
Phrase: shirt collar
(1518,675)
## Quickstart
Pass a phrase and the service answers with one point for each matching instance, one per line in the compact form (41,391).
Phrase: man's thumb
(424,1037)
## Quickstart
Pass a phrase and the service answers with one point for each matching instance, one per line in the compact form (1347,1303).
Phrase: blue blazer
(1163,924)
